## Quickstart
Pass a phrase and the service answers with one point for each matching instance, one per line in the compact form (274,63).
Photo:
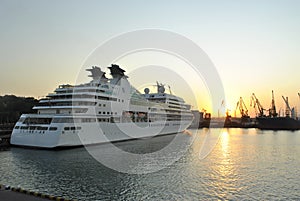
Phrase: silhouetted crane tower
(257,105)
(272,110)
(242,107)
(288,109)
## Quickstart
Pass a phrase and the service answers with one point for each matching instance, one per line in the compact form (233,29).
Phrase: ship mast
(160,88)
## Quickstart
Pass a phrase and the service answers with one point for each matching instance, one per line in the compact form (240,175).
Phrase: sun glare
(224,140)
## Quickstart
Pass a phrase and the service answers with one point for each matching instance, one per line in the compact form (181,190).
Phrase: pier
(12,196)
(8,193)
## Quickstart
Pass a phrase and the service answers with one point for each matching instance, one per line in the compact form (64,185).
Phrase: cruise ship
(100,111)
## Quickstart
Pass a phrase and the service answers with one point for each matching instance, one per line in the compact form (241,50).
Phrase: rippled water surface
(245,164)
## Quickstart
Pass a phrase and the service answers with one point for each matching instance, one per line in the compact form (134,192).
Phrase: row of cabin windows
(103,120)
(85,103)
(36,128)
(75,120)
(103,112)
(104,105)
(158,125)
(172,99)
(178,111)
(33,120)
(173,103)
(89,90)
(176,107)
(82,96)
(71,120)
(112,119)
(73,128)
(157,109)
(69,103)
(77,103)
(152,96)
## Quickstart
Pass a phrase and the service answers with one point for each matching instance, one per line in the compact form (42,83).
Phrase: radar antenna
(160,87)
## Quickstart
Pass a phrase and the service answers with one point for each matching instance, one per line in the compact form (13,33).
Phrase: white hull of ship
(94,133)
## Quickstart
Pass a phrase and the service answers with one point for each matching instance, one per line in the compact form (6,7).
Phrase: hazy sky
(254,44)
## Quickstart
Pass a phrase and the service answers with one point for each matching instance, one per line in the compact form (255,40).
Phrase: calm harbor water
(245,164)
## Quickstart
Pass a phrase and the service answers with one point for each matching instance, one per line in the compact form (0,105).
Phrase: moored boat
(102,110)
(275,122)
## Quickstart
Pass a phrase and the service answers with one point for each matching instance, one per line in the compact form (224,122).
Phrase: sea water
(242,164)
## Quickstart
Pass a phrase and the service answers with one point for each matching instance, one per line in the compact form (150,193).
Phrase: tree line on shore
(11,107)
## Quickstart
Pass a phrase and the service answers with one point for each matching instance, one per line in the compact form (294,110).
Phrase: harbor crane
(299,99)
(257,105)
(272,110)
(242,107)
(222,108)
(288,108)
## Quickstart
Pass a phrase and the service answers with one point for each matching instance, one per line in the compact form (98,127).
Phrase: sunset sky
(254,45)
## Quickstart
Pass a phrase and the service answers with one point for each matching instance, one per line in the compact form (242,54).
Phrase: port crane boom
(272,110)
(288,108)
(299,99)
(257,104)
(242,107)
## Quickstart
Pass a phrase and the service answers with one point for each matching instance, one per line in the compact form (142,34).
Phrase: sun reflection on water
(223,167)
(224,140)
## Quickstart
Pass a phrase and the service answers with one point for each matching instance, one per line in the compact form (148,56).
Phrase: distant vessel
(278,123)
(103,110)
(274,122)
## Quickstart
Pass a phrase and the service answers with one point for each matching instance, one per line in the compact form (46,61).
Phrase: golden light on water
(224,149)
(224,167)
(224,140)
